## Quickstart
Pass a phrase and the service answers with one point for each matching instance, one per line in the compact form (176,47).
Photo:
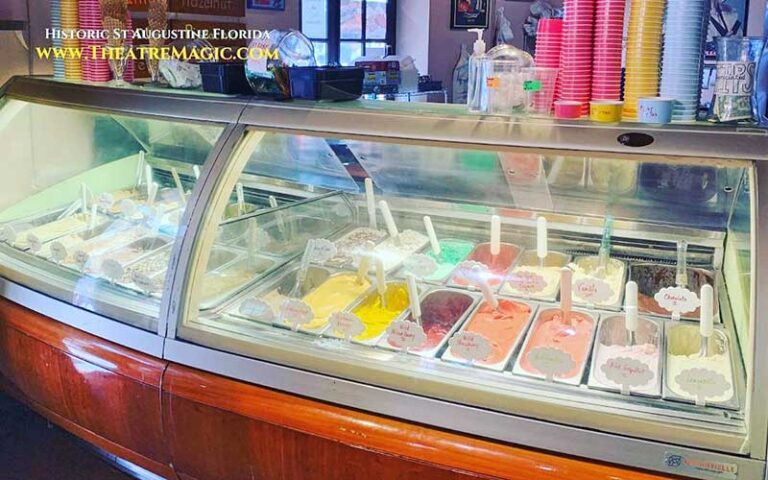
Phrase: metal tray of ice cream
(350,308)
(10,229)
(345,259)
(720,337)
(617,303)
(249,268)
(553,260)
(648,305)
(433,352)
(513,350)
(517,368)
(282,237)
(611,326)
(78,237)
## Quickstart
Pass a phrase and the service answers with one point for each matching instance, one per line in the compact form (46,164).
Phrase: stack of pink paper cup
(94,67)
(549,41)
(128,76)
(575,80)
(606,61)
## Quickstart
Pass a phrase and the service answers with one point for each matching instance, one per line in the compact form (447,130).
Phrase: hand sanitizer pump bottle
(477,91)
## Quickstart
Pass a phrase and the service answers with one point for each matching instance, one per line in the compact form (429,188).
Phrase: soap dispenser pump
(477,92)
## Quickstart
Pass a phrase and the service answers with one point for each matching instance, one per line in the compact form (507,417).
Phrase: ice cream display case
(593,291)
(561,287)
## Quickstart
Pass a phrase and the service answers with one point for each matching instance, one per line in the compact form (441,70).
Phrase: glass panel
(314,18)
(349,52)
(336,299)
(375,49)
(376,19)
(351,22)
(321,52)
(93,208)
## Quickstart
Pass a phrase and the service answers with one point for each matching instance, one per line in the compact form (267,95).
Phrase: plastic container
(224,77)
(326,83)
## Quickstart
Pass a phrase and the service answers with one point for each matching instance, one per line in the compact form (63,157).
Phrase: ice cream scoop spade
(179,186)
(240,198)
(148,177)
(433,242)
(541,240)
(681,276)
(413,297)
(630,315)
(301,275)
(706,319)
(381,282)
(139,170)
(152,193)
(370,201)
(495,235)
(488,295)
(365,262)
(92,222)
(83,199)
(604,253)
(566,297)
(389,221)
(196,172)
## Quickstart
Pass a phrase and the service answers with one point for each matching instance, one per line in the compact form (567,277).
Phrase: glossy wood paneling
(107,391)
(271,424)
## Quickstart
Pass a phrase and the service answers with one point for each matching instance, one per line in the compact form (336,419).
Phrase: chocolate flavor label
(677,300)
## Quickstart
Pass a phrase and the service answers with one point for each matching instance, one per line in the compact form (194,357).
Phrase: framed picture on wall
(266,4)
(469,14)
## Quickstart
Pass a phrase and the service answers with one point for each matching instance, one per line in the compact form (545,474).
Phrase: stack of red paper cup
(128,75)
(549,41)
(94,67)
(575,80)
(606,61)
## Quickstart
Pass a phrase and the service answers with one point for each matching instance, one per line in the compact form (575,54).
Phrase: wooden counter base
(183,423)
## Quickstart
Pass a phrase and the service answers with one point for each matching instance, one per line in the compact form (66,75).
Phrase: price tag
(346,324)
(702,383)
(128,207)
(420,265)
(470,346)
(112,269)
(627,373)
(58,252)
(551,362)
(143,282)
(592,290)
(677,300)
(105,201)
(296,313)
(405,335)
(7,234)
(532,85)
(528,283)
(471,272)
(257,309)
(81,258)
(34,243)
(323,250)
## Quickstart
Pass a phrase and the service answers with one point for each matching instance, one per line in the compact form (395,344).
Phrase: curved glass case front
(94,204)
(446,276)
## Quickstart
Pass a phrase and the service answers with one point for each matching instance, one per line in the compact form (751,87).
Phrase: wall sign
(221,8)
(266,4)
(469,14)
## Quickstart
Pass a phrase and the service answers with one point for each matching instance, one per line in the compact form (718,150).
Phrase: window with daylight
(344,30)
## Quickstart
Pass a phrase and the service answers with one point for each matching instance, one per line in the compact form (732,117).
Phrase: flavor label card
(112,270)
(105,200)
(34,243)
(7,234)
(257,309)
(322,250)
(528,283)
(551,362)
(592,290)
(296,313)
(405,335)
(677,300)
(627,373)
(346,324)
(128,208)
(470,346)
(471,272)
(702,383)
(58,252)
(420,265)
(81,258)
(143,282)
